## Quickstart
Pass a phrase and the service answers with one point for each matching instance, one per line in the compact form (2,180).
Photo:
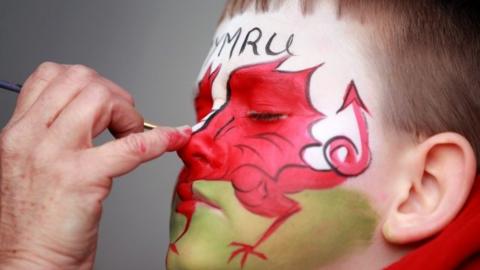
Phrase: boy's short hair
(429,54)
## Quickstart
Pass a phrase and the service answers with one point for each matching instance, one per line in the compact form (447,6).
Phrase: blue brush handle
(14,87)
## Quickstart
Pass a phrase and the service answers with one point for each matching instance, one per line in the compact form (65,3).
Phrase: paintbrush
(15,87)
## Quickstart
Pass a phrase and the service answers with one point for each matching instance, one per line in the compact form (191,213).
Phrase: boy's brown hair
(428,53)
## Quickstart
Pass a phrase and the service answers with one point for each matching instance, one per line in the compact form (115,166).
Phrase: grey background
(153,48)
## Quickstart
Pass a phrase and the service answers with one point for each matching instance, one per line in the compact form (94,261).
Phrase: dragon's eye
(266,116)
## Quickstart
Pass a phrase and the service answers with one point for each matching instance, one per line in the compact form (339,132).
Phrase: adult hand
(53,180)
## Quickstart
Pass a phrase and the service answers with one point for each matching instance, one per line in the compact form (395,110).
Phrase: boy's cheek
(332,223)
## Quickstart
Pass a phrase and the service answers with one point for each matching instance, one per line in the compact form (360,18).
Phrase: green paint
(332,223)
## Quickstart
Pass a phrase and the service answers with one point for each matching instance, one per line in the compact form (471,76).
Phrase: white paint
(318,39)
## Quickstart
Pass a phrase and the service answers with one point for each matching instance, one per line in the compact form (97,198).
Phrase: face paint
(258,141)
(332,222)
(278,172)
(242,40)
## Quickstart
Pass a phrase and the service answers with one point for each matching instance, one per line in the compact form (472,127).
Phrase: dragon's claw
(246,250)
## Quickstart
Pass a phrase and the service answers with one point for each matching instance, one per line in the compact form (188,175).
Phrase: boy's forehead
(308,40)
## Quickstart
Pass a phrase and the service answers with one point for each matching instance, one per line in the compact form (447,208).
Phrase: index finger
(120,156)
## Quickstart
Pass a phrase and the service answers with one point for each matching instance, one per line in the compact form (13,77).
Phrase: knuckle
(165,139)
(98,92)
(135,144)
(47,66)
(80,73)
(47,70)
(80,69)
(129,98)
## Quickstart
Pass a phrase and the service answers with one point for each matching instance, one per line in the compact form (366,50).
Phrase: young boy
(334,134)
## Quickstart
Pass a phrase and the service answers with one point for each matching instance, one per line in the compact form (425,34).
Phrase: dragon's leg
(246,249)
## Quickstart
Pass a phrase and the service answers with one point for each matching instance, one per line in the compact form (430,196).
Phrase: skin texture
(286,136)
(53,180)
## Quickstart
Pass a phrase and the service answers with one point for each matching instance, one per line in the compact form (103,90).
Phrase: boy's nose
(204,156)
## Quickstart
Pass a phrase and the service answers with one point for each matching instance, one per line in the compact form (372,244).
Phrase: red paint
(203,100)
(142,147)
(262,159)
(245,249)
(356,160)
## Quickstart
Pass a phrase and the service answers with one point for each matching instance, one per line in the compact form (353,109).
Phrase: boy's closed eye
(266,116)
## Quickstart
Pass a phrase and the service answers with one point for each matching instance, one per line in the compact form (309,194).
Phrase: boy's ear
(436,179)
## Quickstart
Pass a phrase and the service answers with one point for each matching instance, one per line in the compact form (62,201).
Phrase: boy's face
(288,166)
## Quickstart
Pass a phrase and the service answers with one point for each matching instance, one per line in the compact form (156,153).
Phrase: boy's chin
(332,223)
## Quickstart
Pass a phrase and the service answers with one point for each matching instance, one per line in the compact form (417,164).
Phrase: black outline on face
(219,131)
(281,214)
(253,150)
(263,136)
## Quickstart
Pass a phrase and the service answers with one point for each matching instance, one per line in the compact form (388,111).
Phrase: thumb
(121,156)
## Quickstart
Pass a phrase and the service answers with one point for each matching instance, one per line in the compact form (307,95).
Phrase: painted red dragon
(257,139)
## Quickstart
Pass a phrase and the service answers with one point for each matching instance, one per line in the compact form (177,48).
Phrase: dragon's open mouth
(204,199)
